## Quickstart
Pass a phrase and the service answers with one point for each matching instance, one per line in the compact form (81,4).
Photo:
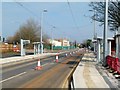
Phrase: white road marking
(12,77)
(20,74)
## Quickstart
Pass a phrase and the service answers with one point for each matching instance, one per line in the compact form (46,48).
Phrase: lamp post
(52,38)
(41,42)
(94,32)
(105,33)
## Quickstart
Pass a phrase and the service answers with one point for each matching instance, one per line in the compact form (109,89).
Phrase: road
(52,74)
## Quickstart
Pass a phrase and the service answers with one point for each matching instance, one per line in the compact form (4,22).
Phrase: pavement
(24,58)
(89,74)
(28,57)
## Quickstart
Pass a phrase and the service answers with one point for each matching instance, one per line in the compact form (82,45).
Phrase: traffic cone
(39,67)
(56,57)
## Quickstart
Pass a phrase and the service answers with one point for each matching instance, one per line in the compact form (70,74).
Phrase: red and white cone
(39,67)
(56,57)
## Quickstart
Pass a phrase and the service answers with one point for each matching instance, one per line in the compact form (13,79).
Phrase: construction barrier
(109,61)
(118,66)
(113,63)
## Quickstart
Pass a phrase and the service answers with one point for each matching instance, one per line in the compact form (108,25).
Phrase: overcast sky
(77,27)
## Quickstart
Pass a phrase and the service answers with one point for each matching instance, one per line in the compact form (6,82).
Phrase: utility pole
(95,37)
(41,42)
(105,34)
(94,28)
(52,38)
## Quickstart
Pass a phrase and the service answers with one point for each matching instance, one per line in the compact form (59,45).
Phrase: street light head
(90,10)
(44,10)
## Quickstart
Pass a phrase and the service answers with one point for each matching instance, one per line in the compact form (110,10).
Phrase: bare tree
(29,31)
(113,13)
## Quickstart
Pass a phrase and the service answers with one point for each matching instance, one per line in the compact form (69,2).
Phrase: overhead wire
(28,10)
(74,21)
(20,4)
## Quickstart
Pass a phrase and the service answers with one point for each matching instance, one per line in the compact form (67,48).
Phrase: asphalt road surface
(52,74)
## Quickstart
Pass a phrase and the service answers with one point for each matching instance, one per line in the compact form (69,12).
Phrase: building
(55,42)
(59,42)
(64,42)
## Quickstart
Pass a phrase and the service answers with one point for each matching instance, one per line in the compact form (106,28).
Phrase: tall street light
(94,29)
(94,24)
(105,33)
(41,42)
(94,32)
(52,37)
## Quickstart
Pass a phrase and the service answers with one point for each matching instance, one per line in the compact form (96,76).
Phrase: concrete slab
(78,77)
(86,75)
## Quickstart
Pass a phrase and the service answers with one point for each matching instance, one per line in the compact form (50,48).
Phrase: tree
(113,13)
(75,43)
(29,31)
(87,43)
(10,39)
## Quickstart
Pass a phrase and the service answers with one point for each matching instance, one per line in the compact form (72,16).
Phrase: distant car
(15,48)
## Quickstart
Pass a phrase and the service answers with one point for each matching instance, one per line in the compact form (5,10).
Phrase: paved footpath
(86,75)
(24,58)
(28,57)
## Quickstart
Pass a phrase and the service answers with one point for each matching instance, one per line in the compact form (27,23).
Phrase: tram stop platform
(90,74)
